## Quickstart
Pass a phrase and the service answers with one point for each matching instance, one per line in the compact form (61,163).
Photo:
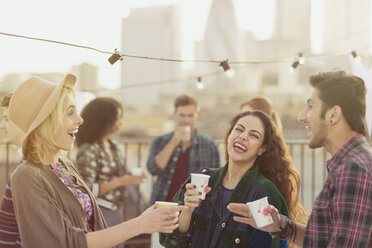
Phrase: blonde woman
(53,205)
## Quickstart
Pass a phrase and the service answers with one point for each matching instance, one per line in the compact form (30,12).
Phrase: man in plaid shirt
(175,155)
(342,212)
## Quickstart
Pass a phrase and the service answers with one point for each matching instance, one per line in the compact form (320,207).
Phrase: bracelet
(287,232)
(295,232)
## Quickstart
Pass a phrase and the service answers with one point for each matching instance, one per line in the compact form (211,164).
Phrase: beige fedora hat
(33,101)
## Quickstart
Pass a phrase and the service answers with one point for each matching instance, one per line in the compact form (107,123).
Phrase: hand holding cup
(201,183)
(191,197)
(184,132)
(130,180)
(247,217)
(159,219)
(173,215)
(136,171)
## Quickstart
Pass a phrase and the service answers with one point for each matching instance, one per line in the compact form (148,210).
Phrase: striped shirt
(342,212)
(203,154)
(9,234)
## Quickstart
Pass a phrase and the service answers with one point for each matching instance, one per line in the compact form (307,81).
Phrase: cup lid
(200,175)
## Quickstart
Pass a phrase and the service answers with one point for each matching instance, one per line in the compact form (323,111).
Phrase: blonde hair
(41,140)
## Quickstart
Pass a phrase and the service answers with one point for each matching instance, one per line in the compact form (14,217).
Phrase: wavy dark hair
(276,164)
(99,117)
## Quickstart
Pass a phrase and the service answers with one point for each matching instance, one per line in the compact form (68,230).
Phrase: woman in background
(100,159)
(263,104)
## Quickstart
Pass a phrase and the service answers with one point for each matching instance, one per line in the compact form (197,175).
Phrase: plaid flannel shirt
(203,154)
(342,212)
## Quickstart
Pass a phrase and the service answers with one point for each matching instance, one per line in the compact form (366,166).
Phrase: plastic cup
(201,183)
(260,213)
(188,130)
(136,171)
(162,204)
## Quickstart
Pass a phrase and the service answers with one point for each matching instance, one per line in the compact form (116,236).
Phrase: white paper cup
(188,130)
(162,204)
(260,213)
(136,171)
(201,183)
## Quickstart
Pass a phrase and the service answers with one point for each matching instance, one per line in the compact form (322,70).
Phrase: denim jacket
(212,224)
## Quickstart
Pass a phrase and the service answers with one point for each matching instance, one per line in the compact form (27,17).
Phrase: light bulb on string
(115,57)
(356,57)
(294,66)
(199,84)
(301,58)
(229,72)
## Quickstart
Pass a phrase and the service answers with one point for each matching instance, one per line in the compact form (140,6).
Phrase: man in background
(175,155)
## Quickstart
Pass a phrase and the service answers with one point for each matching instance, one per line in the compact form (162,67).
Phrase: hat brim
(48,106)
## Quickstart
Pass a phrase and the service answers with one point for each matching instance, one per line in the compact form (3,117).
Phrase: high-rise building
(152,32)
(87,76)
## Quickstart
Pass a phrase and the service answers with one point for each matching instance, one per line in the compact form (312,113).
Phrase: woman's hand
(242,209)
(129,180)
(159,220)
(190,198)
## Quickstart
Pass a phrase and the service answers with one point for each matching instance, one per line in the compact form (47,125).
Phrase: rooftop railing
(309,163)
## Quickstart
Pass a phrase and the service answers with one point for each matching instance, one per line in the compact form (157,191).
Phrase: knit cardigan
(48,214)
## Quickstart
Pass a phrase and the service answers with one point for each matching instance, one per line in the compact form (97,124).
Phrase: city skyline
(77,22)
(219,36)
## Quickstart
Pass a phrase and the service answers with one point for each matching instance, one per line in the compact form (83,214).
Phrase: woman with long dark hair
(257,166)
(100,160)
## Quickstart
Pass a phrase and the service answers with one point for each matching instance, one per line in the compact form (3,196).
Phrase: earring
(330,121)
(260,154)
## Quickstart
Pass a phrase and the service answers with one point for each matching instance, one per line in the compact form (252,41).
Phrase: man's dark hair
(345,90)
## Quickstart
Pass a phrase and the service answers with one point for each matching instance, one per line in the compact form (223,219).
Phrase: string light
(115,57)
(356,57)
(293,67)
(200,84)
(301,58)
(229,72)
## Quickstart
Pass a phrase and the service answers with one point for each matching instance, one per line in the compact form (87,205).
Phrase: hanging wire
(174,80)
(120,56)
(57,42)
(273,61)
